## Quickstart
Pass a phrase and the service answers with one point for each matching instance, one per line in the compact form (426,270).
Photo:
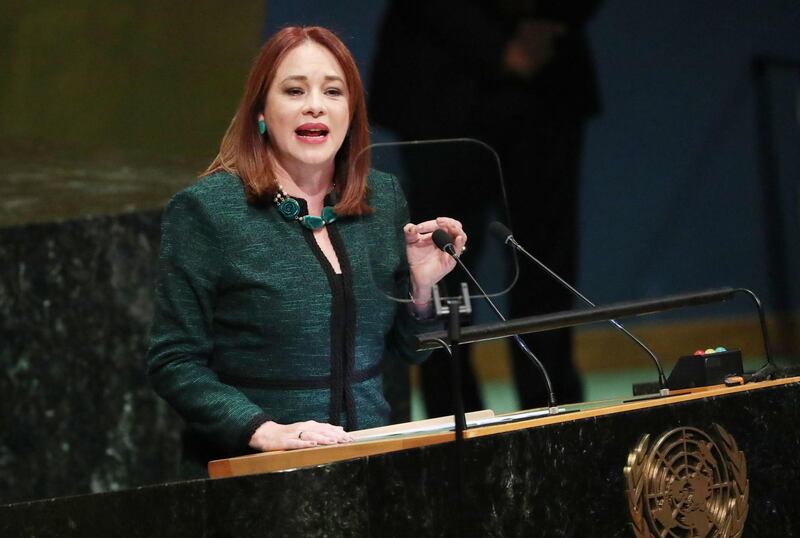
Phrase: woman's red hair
(246,153)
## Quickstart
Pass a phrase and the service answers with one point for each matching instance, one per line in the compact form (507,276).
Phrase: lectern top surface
(436,431)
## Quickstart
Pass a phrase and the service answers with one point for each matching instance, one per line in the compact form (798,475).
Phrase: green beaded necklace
(289,208)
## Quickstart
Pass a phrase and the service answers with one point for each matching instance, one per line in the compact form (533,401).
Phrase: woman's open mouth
(312,133)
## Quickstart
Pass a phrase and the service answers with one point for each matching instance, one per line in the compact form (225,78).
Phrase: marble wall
(78,415)
(107,108)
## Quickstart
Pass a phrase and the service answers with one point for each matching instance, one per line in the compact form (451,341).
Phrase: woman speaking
(269,328)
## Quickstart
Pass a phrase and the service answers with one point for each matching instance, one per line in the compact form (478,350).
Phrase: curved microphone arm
(662,379)
(762,320)
(551,397)
(445,345)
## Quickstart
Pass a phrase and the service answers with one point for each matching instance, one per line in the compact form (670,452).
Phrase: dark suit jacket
(438,70)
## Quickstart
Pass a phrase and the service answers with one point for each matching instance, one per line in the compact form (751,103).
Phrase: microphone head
(500,231)
(442,240)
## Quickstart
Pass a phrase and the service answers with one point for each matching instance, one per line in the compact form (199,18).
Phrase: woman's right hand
(274,436)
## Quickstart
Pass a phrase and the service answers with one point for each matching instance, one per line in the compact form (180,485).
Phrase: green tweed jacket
(252,324)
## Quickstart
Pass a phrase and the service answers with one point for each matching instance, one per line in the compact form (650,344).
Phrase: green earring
(262,127)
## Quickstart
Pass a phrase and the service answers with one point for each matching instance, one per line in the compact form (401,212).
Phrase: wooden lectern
(712,461)
(646,467)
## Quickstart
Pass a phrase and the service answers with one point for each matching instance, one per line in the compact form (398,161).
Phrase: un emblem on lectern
(688,484)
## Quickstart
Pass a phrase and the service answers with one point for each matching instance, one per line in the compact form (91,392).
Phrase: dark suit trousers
(541,169)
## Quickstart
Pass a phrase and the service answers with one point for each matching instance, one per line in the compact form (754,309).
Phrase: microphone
(443,240)
(501,232)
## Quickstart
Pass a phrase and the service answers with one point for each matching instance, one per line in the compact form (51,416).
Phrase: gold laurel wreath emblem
(729,523)
(738,505)
(634,476)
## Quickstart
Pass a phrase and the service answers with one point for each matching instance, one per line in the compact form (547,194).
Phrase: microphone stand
(767,371)
(662,379)
(504,234)
(443,241)
(453,308)
(552,406)
(574,318)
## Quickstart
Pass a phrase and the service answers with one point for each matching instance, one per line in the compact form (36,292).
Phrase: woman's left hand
(427,263)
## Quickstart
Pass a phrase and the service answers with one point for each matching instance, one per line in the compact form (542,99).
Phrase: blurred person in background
(519,76)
